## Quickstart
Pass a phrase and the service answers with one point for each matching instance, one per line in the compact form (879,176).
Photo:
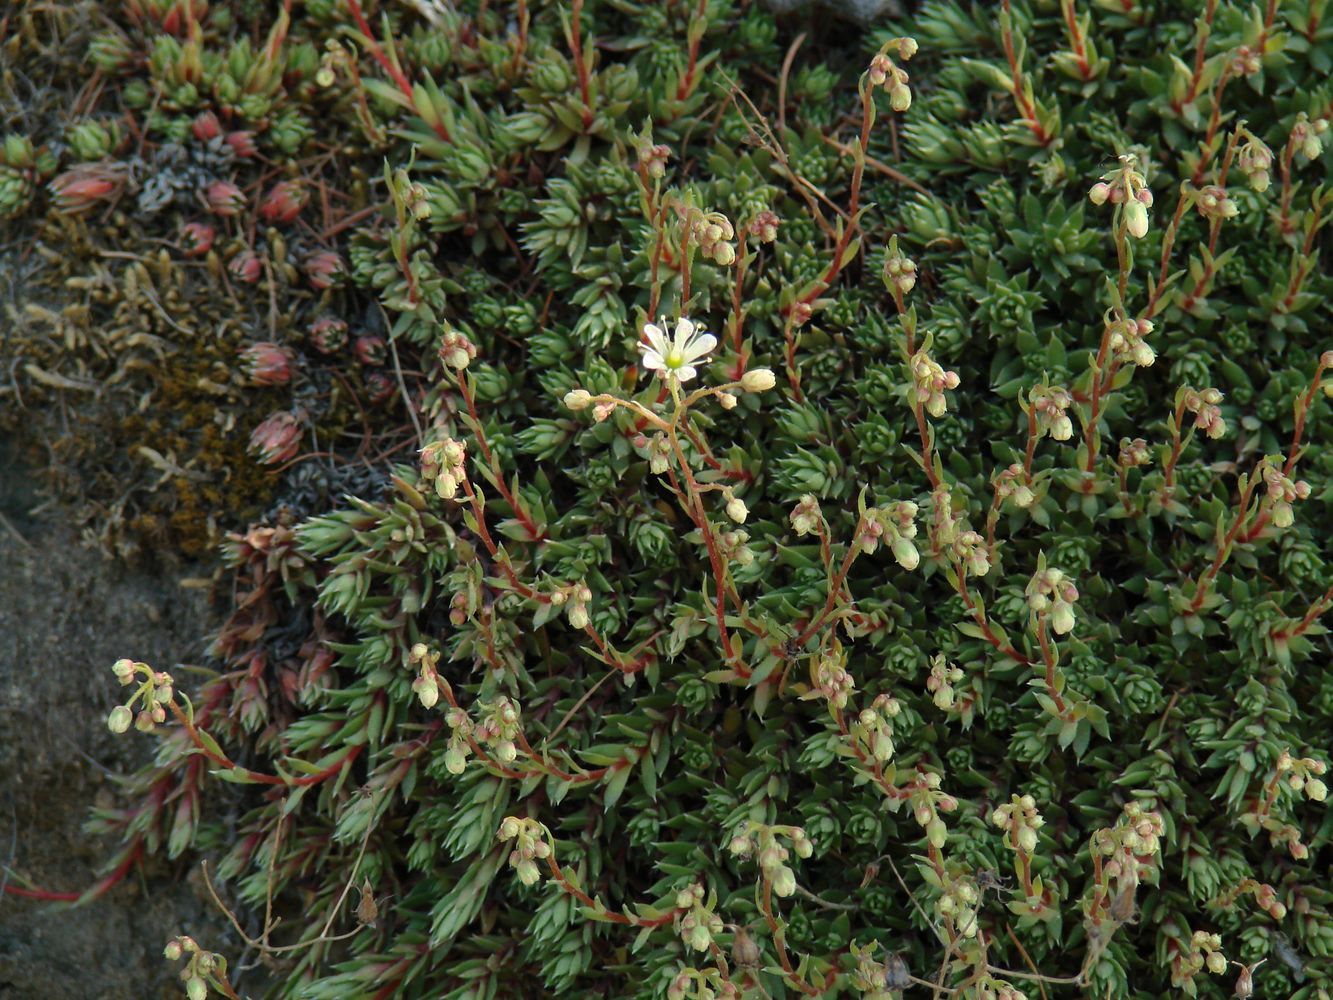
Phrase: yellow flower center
(674,359)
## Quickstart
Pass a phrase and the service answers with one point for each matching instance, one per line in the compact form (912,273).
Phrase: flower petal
(654,360)
(699,347)
(684,331)
(686,372)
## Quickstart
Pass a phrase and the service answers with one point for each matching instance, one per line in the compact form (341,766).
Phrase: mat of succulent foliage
(862,540)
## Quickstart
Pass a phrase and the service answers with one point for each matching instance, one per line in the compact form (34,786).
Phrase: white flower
(677,355)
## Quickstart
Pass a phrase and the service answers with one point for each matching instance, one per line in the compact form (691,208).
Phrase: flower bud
(758,380)
(784,883)
(1316,789)
(224,198)
(195,988)
(1099,193)
(736,510)
(120,718)
(900,98)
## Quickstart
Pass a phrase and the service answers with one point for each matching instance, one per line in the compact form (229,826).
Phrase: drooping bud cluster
(829,678)
(154,693)
(941,680)
(574,598)
(701,984)
(884,72)
(761,842)
(200,967)
(951,538)
(899,271)
(1280,491)
(695,922)
(1207,414)
(1020,821)
(1305,135)
(426,686)
(1205,950)
(1302,775)
(764,226)
(1126,188)
(927,802)
(734,547)
(713,232)
(929,383)
(1051,403)
(958,902)
(873,727)
(879,979)
(1051,593)
(530,846)
(1255,160)
(653,159)
(1127,339)
(895,523)
(442,463)
(1133,453)
(1014,484)
(806,517)
(266,364)
(457,352)
(659,454)
(1214,203)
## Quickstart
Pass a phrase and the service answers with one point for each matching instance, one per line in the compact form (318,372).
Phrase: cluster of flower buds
(1014,484)
(1125,187)
(1020,821)
(1205,950)
(1255,160)
(659,453)
(333,61)
(1133,453)
(653,158)
(1136,836)
(696,923)
(277,438)
(895,523)
(736,509)
(734,547)
(998,989)
(1050,592)
(941,680)
(1213,202)
(224,198)
(899,272)
(197,238)
(876,979)
(762,842)
(1303,775)
(829,678)
(806,517)
(266,364)
(323,269)
(928,801)
(1305,135)
(958,902)
(1207,414)
(427,683)
(764,226)
(1127,339)
(328,334)
(929,383)
(950,536)
(202,964)
(457,351)
(1051,404)
(442,462)
(575,598)
(284,201)
(873,727)
(695,984)
(530,846)
(884,72)
(155,692)
(1280,491)
(246,266)
(712,232)
(499,728)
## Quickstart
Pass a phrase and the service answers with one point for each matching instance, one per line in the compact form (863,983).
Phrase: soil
(66,613)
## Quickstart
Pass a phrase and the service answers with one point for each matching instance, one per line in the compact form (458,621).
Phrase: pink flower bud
(246,266)
(277,439)
(196,239)
(1099,193)
(224,198)
(84,188)
(266,364)
(206,126)
(323,268)
(328,334)
(380,387)
(284,202)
